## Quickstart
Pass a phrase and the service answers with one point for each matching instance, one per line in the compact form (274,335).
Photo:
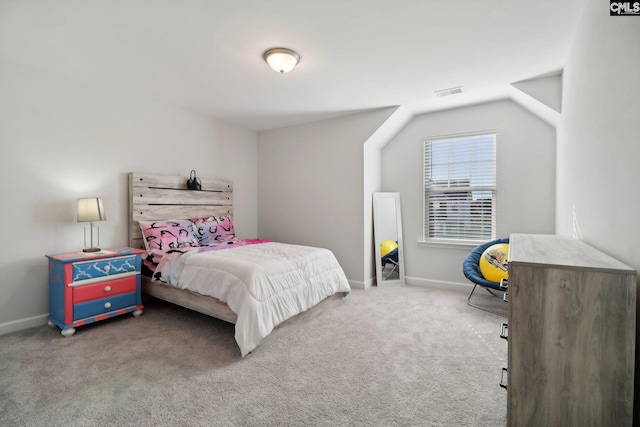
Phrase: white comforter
(264,284)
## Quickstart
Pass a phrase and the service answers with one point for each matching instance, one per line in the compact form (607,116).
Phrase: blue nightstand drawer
(87,287)
(103,305)
(102,268)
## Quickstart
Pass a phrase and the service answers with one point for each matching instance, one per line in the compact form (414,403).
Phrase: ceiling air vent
(450,91)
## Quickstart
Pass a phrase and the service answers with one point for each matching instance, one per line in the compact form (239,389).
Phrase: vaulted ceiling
(206,55)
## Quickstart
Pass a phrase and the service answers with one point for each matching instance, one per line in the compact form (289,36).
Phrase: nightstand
(86,287)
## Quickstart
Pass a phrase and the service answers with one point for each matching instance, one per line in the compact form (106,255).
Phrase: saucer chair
(389,251)
(471,270)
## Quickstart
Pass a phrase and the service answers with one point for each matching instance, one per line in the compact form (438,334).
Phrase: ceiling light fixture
(281,59)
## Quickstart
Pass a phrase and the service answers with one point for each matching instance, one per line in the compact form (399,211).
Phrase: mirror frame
(377,196)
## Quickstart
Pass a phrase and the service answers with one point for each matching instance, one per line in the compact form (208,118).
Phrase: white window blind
(460,188)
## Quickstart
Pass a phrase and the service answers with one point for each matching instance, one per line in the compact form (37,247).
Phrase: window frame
(463,239)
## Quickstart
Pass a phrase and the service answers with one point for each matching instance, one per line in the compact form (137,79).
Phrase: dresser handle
(107,288)
(503,331)
(107,305)
(107,268)
(502,383)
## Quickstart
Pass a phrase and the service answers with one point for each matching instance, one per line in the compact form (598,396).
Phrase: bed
(264,288)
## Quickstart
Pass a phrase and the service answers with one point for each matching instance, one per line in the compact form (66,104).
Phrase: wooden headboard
(157,197)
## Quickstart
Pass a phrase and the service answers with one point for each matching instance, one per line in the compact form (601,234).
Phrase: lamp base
(91,250)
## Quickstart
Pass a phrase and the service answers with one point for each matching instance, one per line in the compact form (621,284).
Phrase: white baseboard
(369,283)
(20,324)
(417,281)
(440,284)
(30,322)
(362,285)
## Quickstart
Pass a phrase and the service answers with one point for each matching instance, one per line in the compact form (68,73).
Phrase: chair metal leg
(394,269)
(482,308)
(492,293)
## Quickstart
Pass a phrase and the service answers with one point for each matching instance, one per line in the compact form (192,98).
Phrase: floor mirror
(387,233)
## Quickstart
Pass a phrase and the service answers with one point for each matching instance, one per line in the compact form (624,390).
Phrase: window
(460,188)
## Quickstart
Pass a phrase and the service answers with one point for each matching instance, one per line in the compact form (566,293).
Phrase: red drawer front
(104,289)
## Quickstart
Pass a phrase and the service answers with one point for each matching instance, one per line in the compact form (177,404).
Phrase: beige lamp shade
(91,209)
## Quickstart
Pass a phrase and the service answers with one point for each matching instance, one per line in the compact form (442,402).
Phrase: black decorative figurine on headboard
(193,183)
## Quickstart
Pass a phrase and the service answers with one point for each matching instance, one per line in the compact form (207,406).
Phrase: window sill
(449,244)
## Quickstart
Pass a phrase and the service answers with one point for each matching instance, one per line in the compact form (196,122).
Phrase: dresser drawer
(104,289)
(85,270)
(103,305)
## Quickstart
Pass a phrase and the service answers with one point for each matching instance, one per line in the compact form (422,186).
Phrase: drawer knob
(107,288)
(107,305)
(107,268)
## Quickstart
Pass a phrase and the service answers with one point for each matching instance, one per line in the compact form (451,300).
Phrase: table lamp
(91,209)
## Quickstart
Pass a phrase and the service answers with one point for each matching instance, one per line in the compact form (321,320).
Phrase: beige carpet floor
(405,356)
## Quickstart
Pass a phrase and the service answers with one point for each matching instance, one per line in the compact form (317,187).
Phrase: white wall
(60,140)
(373,181)
(525,181)
(311,186)
(599,142)
(599,135)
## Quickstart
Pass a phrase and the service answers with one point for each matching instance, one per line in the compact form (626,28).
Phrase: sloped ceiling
(206,55)
(541,95)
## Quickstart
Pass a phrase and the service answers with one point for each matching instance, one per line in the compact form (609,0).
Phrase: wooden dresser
(572,320)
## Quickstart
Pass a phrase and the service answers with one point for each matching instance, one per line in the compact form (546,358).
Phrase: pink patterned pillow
(169,234)
(213,230)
